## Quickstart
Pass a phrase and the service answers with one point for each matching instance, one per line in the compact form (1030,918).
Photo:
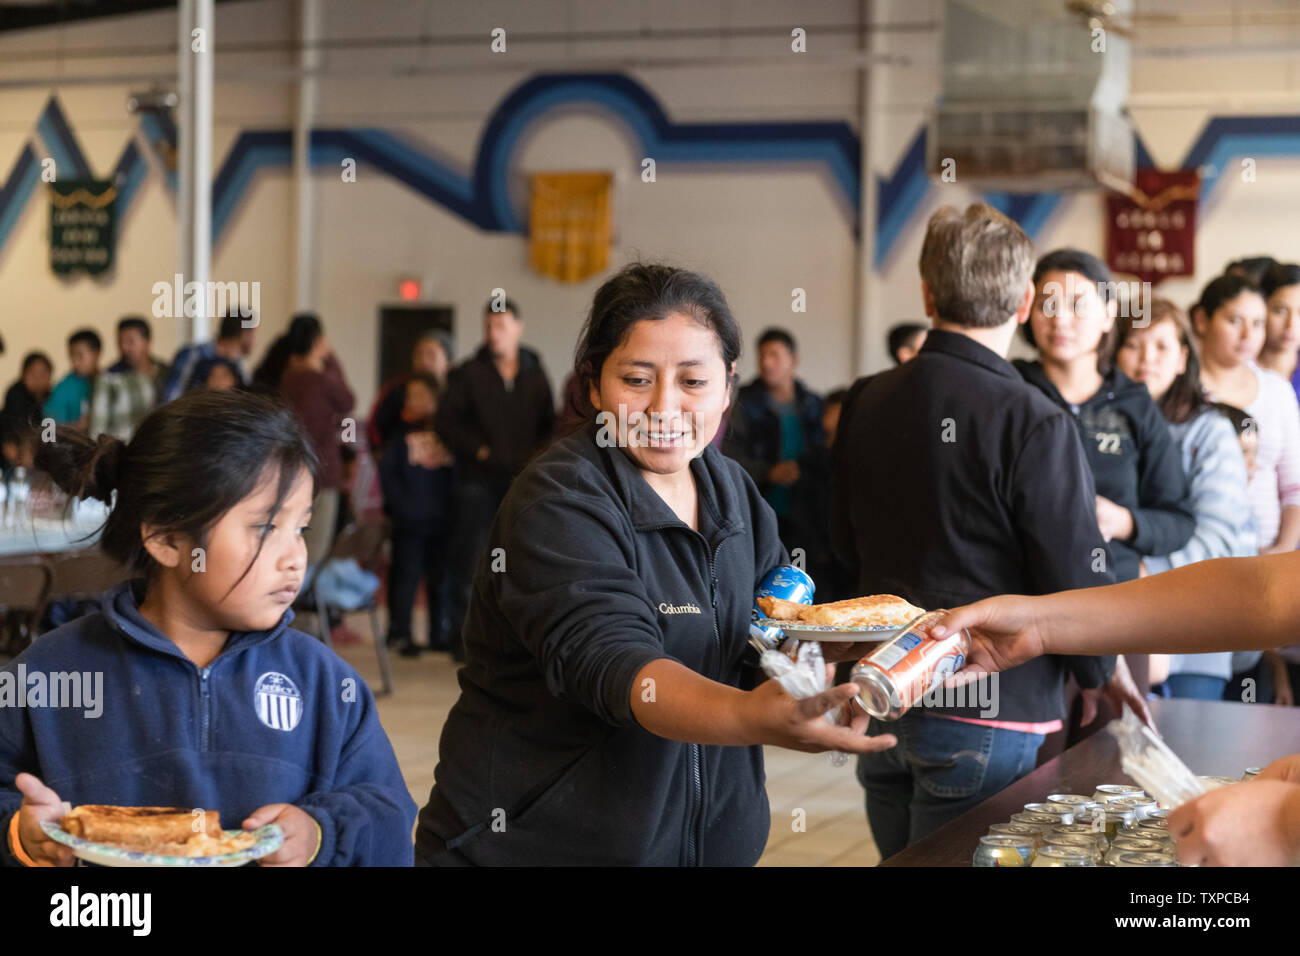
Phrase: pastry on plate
(876,610)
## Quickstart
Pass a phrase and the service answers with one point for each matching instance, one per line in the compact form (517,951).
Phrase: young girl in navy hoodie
(1142,503)
(210,699)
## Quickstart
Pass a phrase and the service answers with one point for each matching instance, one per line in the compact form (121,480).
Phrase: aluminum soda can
(1004,851)
(1063,856)
(1107,792)
(787,583)
(1134,858)
(1055,809)
(1069,799)
(1024,830)
(1079,841)
(902,670)
(1141,805)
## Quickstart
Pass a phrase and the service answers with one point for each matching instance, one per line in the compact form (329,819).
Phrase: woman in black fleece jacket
(610,712)
(1142,492)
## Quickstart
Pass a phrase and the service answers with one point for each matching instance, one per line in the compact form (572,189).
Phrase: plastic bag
(800,668)
(1148,760)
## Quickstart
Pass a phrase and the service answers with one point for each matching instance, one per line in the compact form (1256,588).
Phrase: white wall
(760,231)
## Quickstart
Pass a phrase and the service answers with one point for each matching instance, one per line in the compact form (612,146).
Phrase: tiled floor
(830,829)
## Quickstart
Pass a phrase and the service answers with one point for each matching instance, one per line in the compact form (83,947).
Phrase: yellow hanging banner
(570,224)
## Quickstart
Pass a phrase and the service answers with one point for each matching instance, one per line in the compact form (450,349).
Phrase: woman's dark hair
(1253,267)
(1096,272)
(1279,276)
(203,369)
(428,381)
(1241,419)
(304,329)
(1184,400)
(836,397)
(189,462)
(1223,289)
(650,291)
(31,358)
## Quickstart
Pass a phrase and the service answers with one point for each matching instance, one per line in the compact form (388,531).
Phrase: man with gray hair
(952,480)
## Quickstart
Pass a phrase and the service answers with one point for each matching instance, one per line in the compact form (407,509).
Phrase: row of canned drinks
(1119,825)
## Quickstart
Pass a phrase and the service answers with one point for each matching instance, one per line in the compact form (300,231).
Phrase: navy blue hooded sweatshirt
(276,718)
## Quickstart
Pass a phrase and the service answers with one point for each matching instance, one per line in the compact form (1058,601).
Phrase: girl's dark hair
(31,358)
(189,462)
(1096,272)
(304,329)
(428,381)
(1240,418)
(1279,276)
(1184,400)
(1223,289)
(650,291)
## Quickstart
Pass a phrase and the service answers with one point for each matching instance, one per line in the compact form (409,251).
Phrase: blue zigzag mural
(483,194)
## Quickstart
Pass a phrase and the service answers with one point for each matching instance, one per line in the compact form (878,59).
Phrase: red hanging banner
(1152,234)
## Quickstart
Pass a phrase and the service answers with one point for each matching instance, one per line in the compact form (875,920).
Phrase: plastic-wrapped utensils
(1148,760)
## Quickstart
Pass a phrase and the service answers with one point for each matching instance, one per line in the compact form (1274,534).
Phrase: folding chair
(24,585)
(364,542)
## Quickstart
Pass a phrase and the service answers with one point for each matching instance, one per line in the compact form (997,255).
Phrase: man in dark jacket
(952,481)
(775,425)
(498,412)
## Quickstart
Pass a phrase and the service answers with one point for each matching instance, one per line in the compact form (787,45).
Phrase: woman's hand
(1114,521)
(1254,824)
(40,804)
(301,833)
(1119,690)
(783,721)
(1005,631)
(1285,769)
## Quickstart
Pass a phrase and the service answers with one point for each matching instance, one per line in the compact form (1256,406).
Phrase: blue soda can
(787,583)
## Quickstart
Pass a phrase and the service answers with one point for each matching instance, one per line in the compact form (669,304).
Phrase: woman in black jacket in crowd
(610,712)
(1143,504)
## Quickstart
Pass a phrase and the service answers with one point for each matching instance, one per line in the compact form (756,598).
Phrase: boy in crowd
(234,343)
(69,403)
(130,387)
(905,340)
(775,423)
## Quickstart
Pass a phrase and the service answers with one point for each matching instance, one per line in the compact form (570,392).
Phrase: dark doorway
(399,328)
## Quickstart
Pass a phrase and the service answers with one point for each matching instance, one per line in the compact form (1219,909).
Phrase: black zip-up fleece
(541,760)
(1134,463)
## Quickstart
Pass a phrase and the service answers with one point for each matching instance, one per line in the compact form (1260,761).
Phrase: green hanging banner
(82,226)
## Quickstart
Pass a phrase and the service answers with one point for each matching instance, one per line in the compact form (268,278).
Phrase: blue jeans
(939,769)
(1196,686)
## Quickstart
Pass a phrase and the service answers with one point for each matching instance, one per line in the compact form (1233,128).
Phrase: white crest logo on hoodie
(278,701)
